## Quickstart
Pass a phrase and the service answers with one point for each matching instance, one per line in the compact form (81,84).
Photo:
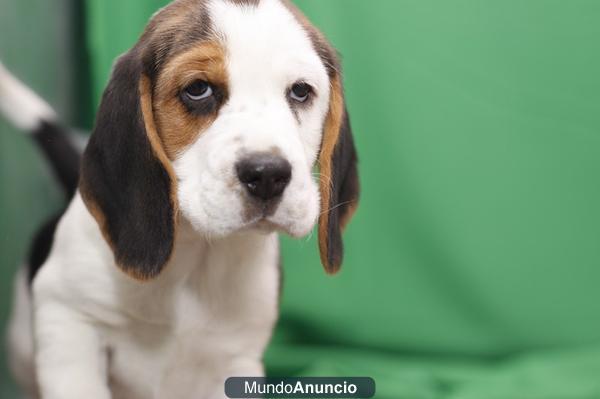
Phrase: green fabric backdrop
(473,265)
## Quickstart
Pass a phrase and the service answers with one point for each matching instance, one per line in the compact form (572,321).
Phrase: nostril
(264,175)
(248,172)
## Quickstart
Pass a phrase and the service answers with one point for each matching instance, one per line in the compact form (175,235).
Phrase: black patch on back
(41,246)
(64,160)
(61,153)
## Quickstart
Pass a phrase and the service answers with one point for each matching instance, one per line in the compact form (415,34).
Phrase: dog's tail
(31,114)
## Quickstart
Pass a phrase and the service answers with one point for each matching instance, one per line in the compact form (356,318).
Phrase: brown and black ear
(339,179)
(126,178)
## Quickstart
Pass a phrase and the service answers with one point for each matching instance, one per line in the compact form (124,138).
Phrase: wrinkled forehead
(256,36)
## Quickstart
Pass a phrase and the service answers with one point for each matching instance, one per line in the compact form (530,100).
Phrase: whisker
(309,236)
(322,179)
(337,206)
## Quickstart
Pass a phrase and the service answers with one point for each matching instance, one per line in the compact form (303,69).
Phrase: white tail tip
(20,105)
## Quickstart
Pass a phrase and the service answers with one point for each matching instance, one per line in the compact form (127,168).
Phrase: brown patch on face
(178,127)
(331,134)
(174,29)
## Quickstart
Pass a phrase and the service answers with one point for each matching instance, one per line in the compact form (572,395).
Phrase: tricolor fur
(163,277)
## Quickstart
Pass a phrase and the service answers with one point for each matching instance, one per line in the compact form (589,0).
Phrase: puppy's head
(218,115)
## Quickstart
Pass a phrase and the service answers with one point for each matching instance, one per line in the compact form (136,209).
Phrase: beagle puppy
(163,277)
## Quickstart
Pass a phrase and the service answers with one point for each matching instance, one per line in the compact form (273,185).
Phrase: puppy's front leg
(70,360)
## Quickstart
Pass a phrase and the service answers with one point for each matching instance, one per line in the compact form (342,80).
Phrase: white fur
(20,336)
(207,317)
(100,334)
(25,109)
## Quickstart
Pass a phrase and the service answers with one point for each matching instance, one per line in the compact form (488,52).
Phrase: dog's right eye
(199,90)
(300,92)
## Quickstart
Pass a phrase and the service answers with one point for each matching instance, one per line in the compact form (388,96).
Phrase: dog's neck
(221,273)
(196,253)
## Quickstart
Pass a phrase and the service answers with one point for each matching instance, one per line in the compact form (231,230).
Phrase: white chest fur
(207,317)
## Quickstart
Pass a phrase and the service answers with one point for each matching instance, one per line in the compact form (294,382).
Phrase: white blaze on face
(267,52)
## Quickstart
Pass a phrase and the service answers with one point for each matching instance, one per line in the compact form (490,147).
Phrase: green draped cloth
(473,265)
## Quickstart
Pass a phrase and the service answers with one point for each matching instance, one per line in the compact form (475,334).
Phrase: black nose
(265,176)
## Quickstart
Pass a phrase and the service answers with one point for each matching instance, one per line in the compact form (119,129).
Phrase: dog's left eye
(300,92)
(199,90)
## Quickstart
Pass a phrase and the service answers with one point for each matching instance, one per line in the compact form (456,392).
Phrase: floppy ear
(127,180)
(339,179)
